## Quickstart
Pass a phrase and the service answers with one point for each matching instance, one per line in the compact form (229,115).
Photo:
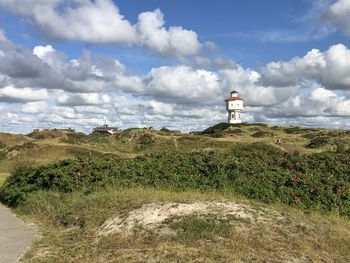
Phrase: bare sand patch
(154,216)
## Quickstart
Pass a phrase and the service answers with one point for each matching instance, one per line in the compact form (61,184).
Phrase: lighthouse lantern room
(234,106)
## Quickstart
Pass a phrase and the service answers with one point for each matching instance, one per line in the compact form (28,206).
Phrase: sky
(142,63)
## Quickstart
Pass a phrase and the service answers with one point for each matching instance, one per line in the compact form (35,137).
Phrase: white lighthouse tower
(234,106)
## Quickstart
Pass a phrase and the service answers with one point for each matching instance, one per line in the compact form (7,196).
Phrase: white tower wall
(234,106)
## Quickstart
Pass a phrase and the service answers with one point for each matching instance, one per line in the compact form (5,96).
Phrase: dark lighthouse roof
(234,98)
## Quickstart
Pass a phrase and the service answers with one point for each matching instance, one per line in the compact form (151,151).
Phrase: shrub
(342,146)
(81,138)
(30,145)
(163,129)
(262,134)
(296,130)
(146,139)
(2,145)
(309,135)
(3,154)
(318,142)
(223,127)
(26,145)
(259,171)
(218,128)
(46,134)
(16,190)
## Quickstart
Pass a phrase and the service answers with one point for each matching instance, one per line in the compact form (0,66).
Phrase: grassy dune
(70,224)
(47,147)
(72,219)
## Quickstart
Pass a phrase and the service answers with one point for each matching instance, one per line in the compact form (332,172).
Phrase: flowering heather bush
(317,181)
(318,142)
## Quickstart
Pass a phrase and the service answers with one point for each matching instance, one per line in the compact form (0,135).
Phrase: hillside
(227,194)
(46,147)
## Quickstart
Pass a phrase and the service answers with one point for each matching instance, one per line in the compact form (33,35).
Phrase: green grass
(259,171)
(69,223)
(195,227)
(132,142)
(69,219)
(3,177)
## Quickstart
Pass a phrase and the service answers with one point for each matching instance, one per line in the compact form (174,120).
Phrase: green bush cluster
(317,181)
(46,134)
(2,145)
(262,134)
(164,129)
(146,139)
(81,138)
(7,152)
(318,142)
(218,128)
(221,128)
(296,130)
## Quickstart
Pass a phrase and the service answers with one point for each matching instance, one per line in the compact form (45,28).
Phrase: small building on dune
(105,129)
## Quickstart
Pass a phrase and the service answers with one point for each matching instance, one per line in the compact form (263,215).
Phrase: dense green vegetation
(318,142)
(261,134)
(220,128)
(76,182)
(316,181)
(81,138)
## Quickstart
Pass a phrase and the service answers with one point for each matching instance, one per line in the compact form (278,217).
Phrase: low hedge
(317,181)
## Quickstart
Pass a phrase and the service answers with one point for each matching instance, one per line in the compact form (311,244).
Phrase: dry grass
(13,139)
(3,177)
(128,143)
(70,224)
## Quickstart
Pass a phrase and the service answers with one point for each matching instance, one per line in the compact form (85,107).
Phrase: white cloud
(182,83)
(319,102)
(331,68)
(99,21)
(321,94)
(34,107)
(129,83)
(49,55)
(247,82)
(161,108)
(311,88)
(175,40)
(42,51)
(338,14)
(12,94)
(91,21)
(79,99)
(44,67)
(99,109)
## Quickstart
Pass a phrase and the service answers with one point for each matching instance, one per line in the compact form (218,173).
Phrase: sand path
(15,236)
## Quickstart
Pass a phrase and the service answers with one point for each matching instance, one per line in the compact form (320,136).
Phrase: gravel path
(15,236)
